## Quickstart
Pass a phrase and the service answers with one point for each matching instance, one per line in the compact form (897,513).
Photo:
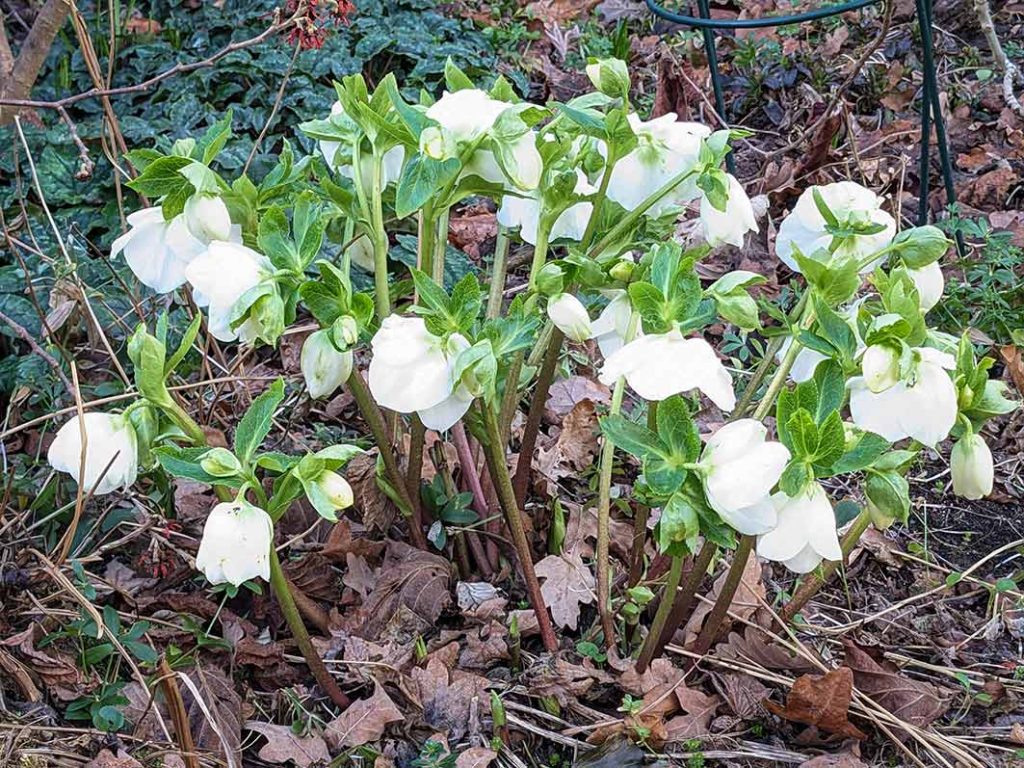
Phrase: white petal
(732,224)
(752,520)
(805,561)
(445,414)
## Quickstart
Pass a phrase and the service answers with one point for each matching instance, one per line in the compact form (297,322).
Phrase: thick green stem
(668,599)
(375,421)
(440,248)
(653,645)
(721,607)
(540,252)
(425,241)
(494,448)
(379,237)
(810,586)
(499,267)
(521,480)
(282,592)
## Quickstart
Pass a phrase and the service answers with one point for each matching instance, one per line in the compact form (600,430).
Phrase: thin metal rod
(716,75)
(705,22)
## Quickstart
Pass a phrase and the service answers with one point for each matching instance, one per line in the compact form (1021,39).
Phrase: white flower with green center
(805,533)
(666,148)
(391,162)
(111,455)
(740,466)
(219,278)
(236,543)
(930,284)
(524,212)
(862,228)
(612,325)
(922,405)
(660,365)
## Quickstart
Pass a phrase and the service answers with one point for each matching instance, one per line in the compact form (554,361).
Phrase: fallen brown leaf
(409,578)
(842,760)
(698,707)
(568,583)
(744,694)
(283,745)
(1014,359)
(107,759)
(446,697)
(748,598)
(566,394)
(822,701)
(364,721)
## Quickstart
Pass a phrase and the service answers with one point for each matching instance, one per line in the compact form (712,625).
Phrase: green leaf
(889,494)
(455,78)
(861,455)
(835,329)
(831,440)
(184,345)
(256,423)
(679,524)
(802,433)
(795,477)
(831,388)
(216,136)
(650,303)
(677,429)
(422,179)
(633,438)
(185,462)
(161,177)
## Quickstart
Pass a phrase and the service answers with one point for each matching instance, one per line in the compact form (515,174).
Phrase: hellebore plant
(856,380)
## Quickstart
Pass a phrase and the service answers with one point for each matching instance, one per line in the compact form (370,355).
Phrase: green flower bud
(345,332)
(610,77)
(220,462)
(921,246)
(622,270)
(550,281)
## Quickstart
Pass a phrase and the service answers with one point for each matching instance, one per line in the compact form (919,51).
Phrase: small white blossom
(236,543)
(972,468)
(805,228)
(612,325)
(335,490)
(109,440)
(524,213)
(391,162)
(922,405)
(570,316)
(660,365)
(740,468)
(731,225)
(930,284)
(324,368)
(806,531)
(156,250)
(207,218)
(881,367)
(219,278)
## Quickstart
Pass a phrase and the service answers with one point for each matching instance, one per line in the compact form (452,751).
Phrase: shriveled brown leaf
(359,576)
(563,679)
(754,645)
(313,576)
(409,578)
(57,671)
(471,229)
(341,541)
(566,394)
(568,583)
(555,12)
(822,701)
(1013,356)
(476,757)
(698,710)
(364,721)
(376,509)
(283,745)
(748,598)
(916,702)
(581,529)
(743,694)
(446,696)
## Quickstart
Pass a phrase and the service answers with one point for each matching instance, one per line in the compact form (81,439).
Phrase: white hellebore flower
(805,228)
(219,278)
(570,316)
(524,213)
(731,225)
(740,469)
(971,465)
(612,325)
(109,440)
(236,543)
(412,370)
(881,367)
(922,405)
(156,250)
(207,218)
(930,284)
(806,531)
(465,115)
(335,489)
(323,367)
(666,148)
(664,364)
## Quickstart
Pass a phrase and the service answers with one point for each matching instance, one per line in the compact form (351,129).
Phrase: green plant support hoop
(931,112)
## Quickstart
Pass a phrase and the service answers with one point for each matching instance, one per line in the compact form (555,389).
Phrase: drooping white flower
(806,229)
(972,468)
(412,370)
(465,115)
(335,490)
(324,368)
(207,218)
(158,251)
(922,405)
(930,284)
(806,531)
(660,365)
(570,316)
(524,213)
(219,277)
(109,440)
(236,543)
(740,468)
(807,359)
(612,325)
(732,224)
(880,367)
(665,149)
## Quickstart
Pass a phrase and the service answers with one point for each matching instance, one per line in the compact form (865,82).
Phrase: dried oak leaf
(822,701)
(446,696)
(582,527)
(108,759)
(748,598)
(57,671)
(698,707)
(409,578)
(376,509)
(283,744)
(568,582)
(364,721)
(915,702)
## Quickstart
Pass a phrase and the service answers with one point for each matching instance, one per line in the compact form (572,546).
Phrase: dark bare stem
(298,629)
(810,586)
(375,420)
(494,448)
(414,472)
(521,481)
(472,480)
(721,607)
(668,598)
(653,646)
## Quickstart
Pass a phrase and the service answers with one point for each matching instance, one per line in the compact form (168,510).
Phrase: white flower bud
(971,466)
(335,489)
(207,218)
(881,367)
(930,284)
(111,451)
(324,368)
(570,316)
(236,543)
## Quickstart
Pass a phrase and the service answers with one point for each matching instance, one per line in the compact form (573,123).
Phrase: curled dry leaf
(284,745)
(409,579)
(446,697)
(108,759)
(476,757)
(568,583)
(916,702)
(364,721)
(56,671)
(822,701)
(698,710)
(748,598)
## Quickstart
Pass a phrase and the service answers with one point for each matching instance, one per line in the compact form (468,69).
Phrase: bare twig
(22,333)
(1010,71)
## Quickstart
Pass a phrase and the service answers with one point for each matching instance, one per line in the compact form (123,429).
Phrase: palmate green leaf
(677,429)
(422,178)
(256,423)
(185,462)
(161,177)
(861,455)
(802,434)
(831,441)
(650,303)
(633,438)
(664,474)
(795,477)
